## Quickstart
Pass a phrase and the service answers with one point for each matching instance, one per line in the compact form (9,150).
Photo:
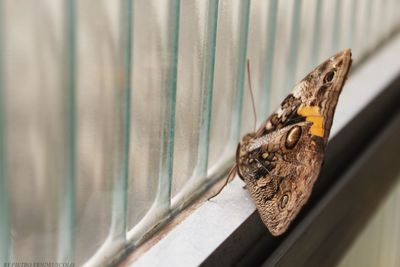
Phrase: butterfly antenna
(251,94)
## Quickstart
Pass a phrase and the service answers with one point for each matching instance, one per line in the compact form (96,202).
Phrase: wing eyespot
(329,76)
(293,137)
(284,201)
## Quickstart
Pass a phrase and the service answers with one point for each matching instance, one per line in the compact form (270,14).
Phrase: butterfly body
(282,159)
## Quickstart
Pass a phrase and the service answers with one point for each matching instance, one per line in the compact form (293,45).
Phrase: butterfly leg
(229,177)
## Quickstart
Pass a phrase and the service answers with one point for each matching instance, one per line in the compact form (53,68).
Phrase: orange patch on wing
(313,115)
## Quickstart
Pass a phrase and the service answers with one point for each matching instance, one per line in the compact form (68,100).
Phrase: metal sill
(228,231)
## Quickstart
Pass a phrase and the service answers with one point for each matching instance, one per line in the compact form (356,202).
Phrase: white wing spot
(298,90)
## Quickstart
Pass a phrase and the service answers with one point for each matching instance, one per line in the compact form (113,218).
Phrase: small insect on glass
(281,161)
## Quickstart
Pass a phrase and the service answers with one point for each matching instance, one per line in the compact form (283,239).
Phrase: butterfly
(281,161)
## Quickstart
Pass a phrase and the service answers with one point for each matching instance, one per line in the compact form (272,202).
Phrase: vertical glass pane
(315,47)
(348,23)
(5,231)
(155,44)
(270,58)
(233,19)
(336,27)
(307,29)
(98,129)
(327,30)
(261,42)
(198,21)
(149,67)
(294,41)
(66,209)
(377,20)
(363,27)
(37,133)
(283,31)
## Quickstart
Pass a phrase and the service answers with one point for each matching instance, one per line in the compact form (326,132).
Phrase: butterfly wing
(282,160)
(314,98)
(279,169)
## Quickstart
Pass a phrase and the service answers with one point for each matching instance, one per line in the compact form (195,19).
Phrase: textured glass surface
(98,129)
(198,21)
(262,33)
(36,116)
(4,197)
(155,47)
(228,83)
(116,114)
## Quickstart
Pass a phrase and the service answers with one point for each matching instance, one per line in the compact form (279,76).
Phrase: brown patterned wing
(281,161)
(280,169)
(314,98)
